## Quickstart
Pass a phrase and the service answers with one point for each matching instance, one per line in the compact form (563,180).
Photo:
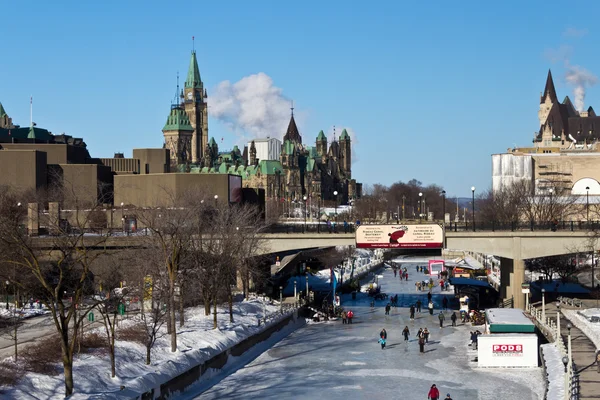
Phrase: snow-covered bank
(197,343)
(581,319)
(555,371)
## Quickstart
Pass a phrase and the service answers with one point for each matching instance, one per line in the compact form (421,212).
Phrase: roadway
(345,361)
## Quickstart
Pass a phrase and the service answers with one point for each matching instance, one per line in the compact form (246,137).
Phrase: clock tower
(196,108)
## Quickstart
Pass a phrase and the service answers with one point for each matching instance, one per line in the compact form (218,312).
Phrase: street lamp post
(7,283)
(122,217)
(569,343)
(551,193)
(543,306)
(420,206)
(335,193)
(319,214)
(305,198)
(216,199)
(403,198)
(587,204)
(295,291)
(444,207)
(557,321)
(281,298)
(473,206)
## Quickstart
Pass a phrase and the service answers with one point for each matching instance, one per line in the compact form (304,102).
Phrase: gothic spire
(292,133)
(549,90)
(193,80)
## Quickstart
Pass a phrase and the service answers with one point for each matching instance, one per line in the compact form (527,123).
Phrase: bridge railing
(298,227)
(514,226)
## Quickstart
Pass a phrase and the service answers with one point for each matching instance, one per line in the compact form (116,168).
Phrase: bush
(42,357)
(9,373)
(133,333)
(93,341)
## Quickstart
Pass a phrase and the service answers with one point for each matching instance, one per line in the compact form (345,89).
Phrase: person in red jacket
(434,393)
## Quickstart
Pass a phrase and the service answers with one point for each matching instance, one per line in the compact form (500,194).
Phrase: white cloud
(571,32)
(559,54)
(252,107)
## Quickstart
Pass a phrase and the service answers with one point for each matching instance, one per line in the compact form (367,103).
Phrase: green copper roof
(178,120)
(312,151)
(31,134)
(321,136)
(2,111)
(212,142)
(268,167)
(344,135)
(23,133)
(193,77)
(288,147)
(310,164)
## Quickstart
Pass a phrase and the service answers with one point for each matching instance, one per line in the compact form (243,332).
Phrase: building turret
(321,144)
(345,153)
(196,108)
(253,160)
(178,137)
(547,99)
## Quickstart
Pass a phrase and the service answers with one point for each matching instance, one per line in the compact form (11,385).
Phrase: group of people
(403,273)
(434,394)
(474,336)
(347,317)
(421,286)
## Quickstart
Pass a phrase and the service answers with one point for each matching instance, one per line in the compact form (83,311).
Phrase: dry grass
(42,357)
(9,373)
(93,341)
(133,333)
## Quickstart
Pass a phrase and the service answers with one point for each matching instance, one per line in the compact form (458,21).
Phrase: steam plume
(580,78)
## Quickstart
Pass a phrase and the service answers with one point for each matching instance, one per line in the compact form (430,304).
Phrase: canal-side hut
(510,340)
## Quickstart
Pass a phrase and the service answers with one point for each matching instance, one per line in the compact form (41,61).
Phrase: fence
(523,226)
(551,329)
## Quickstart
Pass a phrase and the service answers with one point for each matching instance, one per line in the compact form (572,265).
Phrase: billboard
(436,267)
(507,350)
(422,236)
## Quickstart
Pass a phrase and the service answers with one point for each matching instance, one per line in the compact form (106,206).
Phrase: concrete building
(266,149)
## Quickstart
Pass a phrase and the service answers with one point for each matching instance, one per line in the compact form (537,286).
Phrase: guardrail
(552,226)
(551,328)
(573,302)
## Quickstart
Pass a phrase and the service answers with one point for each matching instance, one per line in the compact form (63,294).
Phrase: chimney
(118,155)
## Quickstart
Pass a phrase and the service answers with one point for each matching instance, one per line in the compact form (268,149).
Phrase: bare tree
(58,268)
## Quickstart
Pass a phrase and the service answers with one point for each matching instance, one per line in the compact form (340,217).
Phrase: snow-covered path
(335,361)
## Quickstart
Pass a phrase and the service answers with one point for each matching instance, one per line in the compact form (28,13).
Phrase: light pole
(281,298)
(295,291)
(403,198)
(587,204)
(473,206)
(543,306)
(304,198)
(551,193)
(557,321)
(420,206)
(335,193)
(319,214)
(122,217)
(307,297)
(216,199)
(7,283)
(444,207)
(569,344)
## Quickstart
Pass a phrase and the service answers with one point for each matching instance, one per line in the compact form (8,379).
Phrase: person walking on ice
(453,318)
(441,317)
(412,312)
(430,306)
(405,333)
(434,393)
(387,309)
(418,304)
(426,335)
(382,338)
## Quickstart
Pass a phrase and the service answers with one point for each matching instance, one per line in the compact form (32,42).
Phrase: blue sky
(429,90)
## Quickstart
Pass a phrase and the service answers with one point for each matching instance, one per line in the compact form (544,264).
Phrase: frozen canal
(335,361)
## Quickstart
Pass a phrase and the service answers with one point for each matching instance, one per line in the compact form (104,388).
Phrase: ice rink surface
(330,360)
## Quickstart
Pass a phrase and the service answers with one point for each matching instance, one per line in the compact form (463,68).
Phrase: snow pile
(196,343)
(555,370)
(508,316)
(581,321)
(24,312)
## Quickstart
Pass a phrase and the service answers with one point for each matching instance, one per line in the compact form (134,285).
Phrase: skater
(430,306)
(429,296)
(421,344)
(445,303)
(382,338)
(395,272)
(387,309)
(344,316)
(418,304)
(448,397)
(396,300)
(420,333)
(453,318)
(434,393)
(412,312)
(441,317)
(406,276)
(405,333)
(426,335)
(350,315)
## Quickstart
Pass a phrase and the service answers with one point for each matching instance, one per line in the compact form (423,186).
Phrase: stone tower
(196,108)
(178,133)
(345,154)
(321,144)
(253,160)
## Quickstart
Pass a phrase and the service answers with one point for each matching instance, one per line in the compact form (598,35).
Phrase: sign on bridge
(422,236)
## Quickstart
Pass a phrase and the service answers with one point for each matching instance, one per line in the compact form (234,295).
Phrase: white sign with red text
(507,350)
(422,236)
